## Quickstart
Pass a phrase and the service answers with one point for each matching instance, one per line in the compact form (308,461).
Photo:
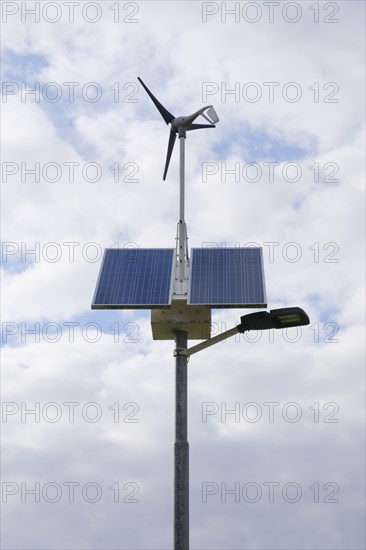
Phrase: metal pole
(181,449)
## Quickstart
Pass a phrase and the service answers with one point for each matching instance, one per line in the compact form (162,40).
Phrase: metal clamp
(180,351)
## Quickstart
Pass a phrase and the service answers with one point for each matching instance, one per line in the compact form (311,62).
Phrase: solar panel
(135,278)
(227,278)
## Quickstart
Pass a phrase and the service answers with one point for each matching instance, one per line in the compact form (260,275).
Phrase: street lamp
(262,320)
(167,285)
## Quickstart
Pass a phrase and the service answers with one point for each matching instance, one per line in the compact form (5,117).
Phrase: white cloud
(178,56)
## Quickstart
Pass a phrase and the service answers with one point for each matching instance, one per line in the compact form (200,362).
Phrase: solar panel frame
(219,282)
(119,288)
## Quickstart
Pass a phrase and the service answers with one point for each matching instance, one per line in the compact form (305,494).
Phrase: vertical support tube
(181,449)
(181,232)
(182,138)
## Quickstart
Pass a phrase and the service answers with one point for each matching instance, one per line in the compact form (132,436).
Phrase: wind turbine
(183,123)
(180,125)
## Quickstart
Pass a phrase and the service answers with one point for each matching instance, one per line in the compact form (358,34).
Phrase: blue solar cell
(227,277)
(139,278)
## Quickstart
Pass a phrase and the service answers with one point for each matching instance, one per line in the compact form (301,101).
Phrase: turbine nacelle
(186,121)
(183,122)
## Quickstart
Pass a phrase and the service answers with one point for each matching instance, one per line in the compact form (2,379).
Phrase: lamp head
(275,318)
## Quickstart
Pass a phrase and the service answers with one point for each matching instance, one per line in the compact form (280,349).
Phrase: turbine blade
(168,117)
(172,137)
(199,126)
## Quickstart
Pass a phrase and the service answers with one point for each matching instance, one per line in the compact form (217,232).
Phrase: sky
(276,419)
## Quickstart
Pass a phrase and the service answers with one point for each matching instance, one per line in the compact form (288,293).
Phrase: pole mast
(181,447)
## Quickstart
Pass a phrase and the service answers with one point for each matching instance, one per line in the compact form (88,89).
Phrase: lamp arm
(207,343)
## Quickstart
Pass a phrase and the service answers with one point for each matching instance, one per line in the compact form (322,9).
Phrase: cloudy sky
(275,419)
